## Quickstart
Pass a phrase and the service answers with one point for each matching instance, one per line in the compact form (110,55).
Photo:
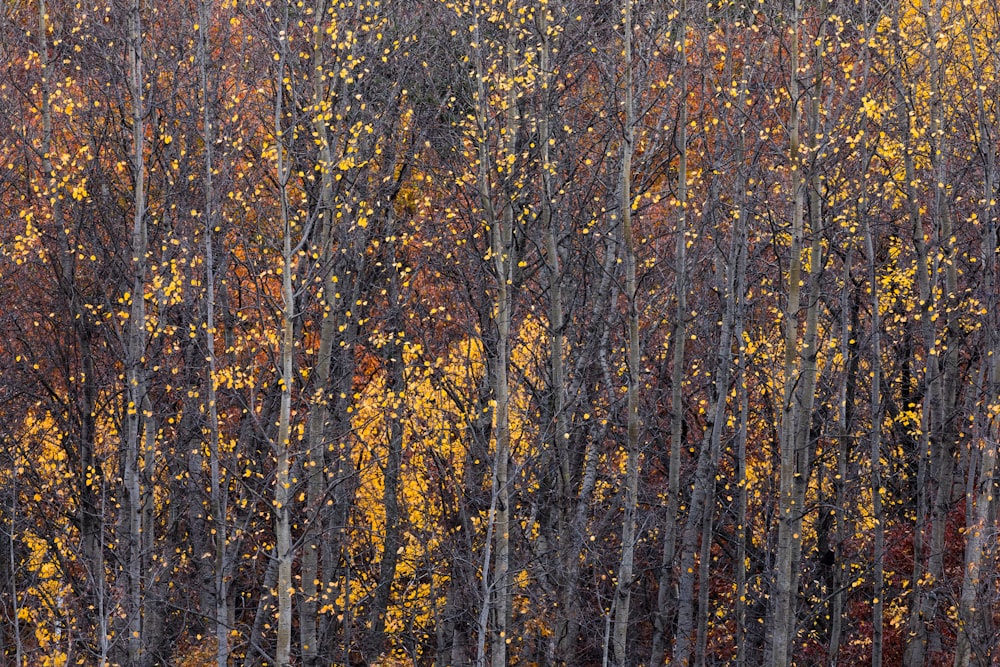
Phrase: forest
(608,333)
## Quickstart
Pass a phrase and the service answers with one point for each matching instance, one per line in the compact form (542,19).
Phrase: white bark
(623,589)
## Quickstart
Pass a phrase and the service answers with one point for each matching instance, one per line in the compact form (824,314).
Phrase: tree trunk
(497,589)
(319,412)
(392,356)
(135,347)
(878,514)
(282,551)
(217,494)
(973,636)
(623,588)
(678,341)
(703,492)
(783,632)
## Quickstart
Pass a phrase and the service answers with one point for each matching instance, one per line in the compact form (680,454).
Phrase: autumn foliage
(468,332)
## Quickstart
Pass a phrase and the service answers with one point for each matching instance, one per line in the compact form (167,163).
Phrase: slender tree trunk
(702,503)
(740,215)
(576,530)
(319,413)
(783,631)
(217,495)
(704,578)
(799,370)
(135,374)
(89,480)
(343,287)
(500,244)
(973,637)
(623,589)
(392,355)
(878,514)
(282,551)
(11,570)
(845,423)
(500,234)
(678,341)
(743,395)
(846,413)
(561,645)
(917,636)
(936,459)
(807,371)
(973,641)
(558,426)
(944,436)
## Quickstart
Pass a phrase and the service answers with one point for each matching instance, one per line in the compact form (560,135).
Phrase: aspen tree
(90,512)
(849,353)
(393,357)
(934,457)
(558,464)
(972,641)
(218,494)
(282,551)
(799,371)
(558,459)
(875,436)
(10,583)
(678,341)
(691,643)
(499,227)
(139,447)
(319,414)
(808,369)
(742,433)
(917,640)
(741,214)
(703,493)
(943,261)
(623,586)
(847,397)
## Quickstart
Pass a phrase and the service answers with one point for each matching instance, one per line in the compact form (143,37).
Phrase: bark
(678,341)
(392,355)
(875,436)
(973,641)
(917,640)
(935,459)
(623,588)
(739,232)
(799,366)
(945,435)
(218,495)
(843,528)
(558,467)
(89,478)
(973,632)
(783,632)
(807,373)
(704,575)
(282,551)
(741,491)
(255,654)
(576,533)
(342,481)
(702,502)
(500,228)
(9,567)
(137,407)
(846,412)
(320,402)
